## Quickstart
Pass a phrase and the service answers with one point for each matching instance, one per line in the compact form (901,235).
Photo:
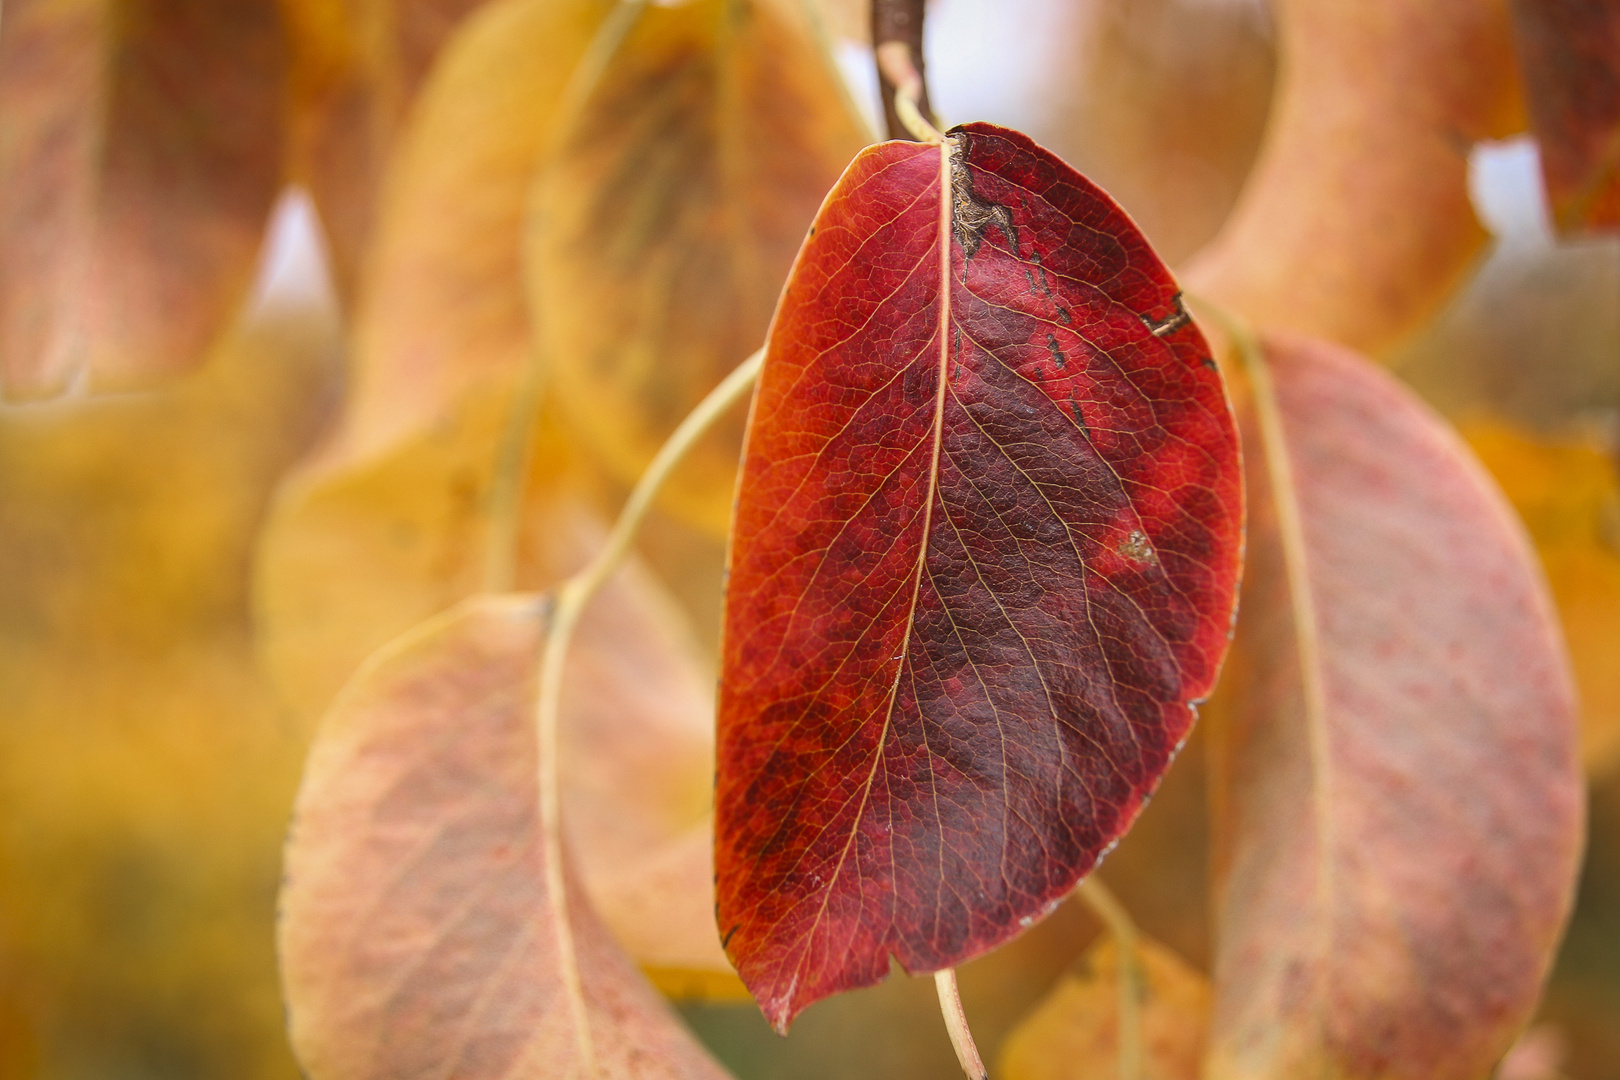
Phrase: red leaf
(1396,781)
(983,559)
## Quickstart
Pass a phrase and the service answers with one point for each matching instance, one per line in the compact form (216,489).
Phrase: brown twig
(897,35)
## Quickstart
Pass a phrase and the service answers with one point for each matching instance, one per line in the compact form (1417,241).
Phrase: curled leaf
(1355,223)
(1397,792)
(417,934)
(140,150)
(983,560)
(1163,104)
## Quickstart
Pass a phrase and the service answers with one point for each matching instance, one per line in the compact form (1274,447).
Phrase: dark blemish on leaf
(1045,287)
(1063,313)
(1057,353)
(1209,362)
(1172,322)
(971,215)
(1079,417)
(726,941)
(1136,546)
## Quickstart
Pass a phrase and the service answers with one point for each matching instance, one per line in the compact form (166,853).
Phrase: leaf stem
(1290,525)
(1106,906)
(950,1006)
(897,35)
(568,603)
(894,60)
(511,474)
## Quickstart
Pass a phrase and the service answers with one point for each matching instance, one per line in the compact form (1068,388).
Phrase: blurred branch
(897,35)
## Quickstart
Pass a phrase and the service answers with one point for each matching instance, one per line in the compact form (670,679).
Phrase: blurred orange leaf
(1397,794)
(1568,494)
(1164,104)
(140,150)
(638,774)
(417,934)
(850,19)
(664,228)
(442,307)
(1356,223)
(1074,1033)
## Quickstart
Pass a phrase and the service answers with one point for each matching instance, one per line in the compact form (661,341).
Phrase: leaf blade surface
(1375,106)
(1396,783)
(983,558)
(662,226)
(140,152)
(417,934)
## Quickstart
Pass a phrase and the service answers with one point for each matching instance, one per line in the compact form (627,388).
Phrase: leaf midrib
(943,240)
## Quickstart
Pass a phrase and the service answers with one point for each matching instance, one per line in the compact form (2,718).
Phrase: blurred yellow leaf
(1160,870)
(1074,1033)
(662,233)
(357,67)
(1568,494)
(145,772)
(140,149)
(394,521)
(1356,223)
(390,524)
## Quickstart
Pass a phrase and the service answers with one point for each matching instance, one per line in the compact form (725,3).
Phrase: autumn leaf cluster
(281,541)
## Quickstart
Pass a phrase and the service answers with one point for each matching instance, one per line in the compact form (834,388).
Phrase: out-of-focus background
(149,754)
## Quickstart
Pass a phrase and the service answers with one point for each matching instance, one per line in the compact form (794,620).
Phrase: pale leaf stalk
(950,1006)
(570,600)
(1302,601)
(1106,906)
(511,475)
(512,458)
(895,61)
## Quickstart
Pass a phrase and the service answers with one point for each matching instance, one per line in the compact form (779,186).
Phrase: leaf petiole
(895,62)
(570,600)
(950,1006)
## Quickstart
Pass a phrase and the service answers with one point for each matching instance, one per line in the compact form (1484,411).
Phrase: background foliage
(298,456)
